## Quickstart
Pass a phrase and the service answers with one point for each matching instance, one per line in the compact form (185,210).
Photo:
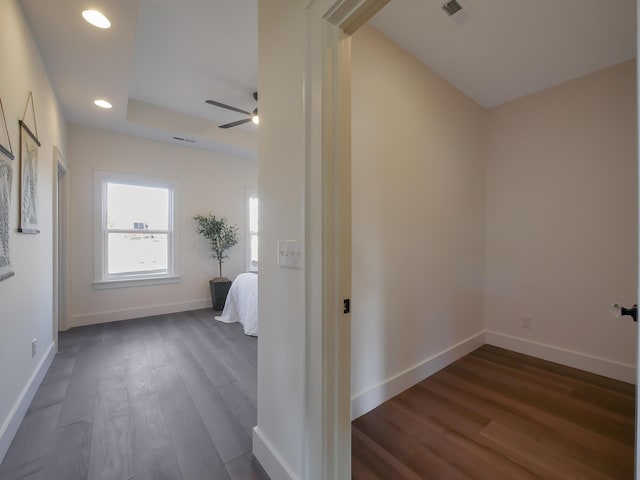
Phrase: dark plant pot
(219,291)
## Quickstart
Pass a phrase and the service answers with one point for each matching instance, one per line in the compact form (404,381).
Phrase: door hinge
(347,305)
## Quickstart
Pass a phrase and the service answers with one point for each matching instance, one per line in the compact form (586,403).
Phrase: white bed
(242,303)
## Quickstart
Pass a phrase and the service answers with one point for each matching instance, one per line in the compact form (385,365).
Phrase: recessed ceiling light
(102,103)
(96,18)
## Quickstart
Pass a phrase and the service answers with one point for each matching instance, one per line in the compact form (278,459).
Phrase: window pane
(138,207)
(253,214)
(253,264)
(137,253)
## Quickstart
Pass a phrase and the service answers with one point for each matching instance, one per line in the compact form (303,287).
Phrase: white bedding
(242,303)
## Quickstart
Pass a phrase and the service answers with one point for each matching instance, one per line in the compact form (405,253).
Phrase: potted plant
(222,236)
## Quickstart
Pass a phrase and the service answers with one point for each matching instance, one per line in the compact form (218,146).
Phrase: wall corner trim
(590,363)
(370,398)
(269,458)
(13,421)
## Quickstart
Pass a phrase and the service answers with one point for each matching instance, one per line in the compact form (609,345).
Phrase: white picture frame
(29,146)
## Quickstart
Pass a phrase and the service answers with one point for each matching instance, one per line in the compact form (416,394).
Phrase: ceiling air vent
(452,7)
(188,140)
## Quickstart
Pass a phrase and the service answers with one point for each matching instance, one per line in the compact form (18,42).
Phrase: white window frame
(102,279)
(250,193)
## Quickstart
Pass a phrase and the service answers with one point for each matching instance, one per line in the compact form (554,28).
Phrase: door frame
(327,103)
(60,189)
(637,442)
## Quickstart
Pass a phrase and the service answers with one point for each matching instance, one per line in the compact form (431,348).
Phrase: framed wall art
(29,146)
(6,177)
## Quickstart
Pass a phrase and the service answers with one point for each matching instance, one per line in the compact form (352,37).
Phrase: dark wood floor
(168,397)
(495,414)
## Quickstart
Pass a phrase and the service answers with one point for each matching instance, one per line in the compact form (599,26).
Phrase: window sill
(135,282)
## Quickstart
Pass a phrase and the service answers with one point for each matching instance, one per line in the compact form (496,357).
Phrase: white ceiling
(500,50)
(157,64)
(163,58)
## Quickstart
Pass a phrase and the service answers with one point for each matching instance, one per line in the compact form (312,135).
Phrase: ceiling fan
(253,116)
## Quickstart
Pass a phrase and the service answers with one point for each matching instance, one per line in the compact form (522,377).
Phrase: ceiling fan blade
(235,124)
(228,107)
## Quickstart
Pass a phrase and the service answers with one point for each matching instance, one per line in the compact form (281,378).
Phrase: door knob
(619,311)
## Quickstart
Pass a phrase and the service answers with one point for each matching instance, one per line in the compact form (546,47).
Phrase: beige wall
(561,215)
(418,194)
(205,182)
(420,268)
(548,182)
(26,298)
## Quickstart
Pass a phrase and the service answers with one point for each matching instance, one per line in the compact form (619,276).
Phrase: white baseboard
(13,421)
(137,312)
(601,366)
(369,399)
(270,459)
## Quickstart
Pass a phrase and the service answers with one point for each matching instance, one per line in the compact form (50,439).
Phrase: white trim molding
(94,318)
(327,108)
(376,395)
(269,458)
(101,180)
(571,358)
(13,421)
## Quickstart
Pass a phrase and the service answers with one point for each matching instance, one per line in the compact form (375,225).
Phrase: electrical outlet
(526,321)
(34,345)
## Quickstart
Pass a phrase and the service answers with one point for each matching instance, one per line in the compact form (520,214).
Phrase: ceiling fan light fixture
(102,103)
(252,116)
(96,18)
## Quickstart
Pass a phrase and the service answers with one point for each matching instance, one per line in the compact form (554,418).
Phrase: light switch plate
(290,254)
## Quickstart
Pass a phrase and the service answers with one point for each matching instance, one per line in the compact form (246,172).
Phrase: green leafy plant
(220,233)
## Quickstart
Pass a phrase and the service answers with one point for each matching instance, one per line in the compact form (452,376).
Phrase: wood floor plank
(111,453)
(231,333)
(49,394)
(69,459)
(497,414)
(559,407)
(378,459)
(206,351)
(510,372)
(568,373)
(234,366)
(557,436)
(360,471)
(116,404)
(225,431)
(243,409)
(154,457)
(32,470)
(81,395)
(33,441)
(448,444)
(62,366)
(539,457)
(613,451)
(419,457)
(196,453)
(246,467)
(537,389)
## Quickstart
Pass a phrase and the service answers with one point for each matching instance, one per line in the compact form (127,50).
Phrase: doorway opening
(60,244)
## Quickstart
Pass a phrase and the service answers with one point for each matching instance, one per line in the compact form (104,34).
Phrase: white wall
(206,183)
(281,180)
(561,219)
(418,193)
(26,298)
